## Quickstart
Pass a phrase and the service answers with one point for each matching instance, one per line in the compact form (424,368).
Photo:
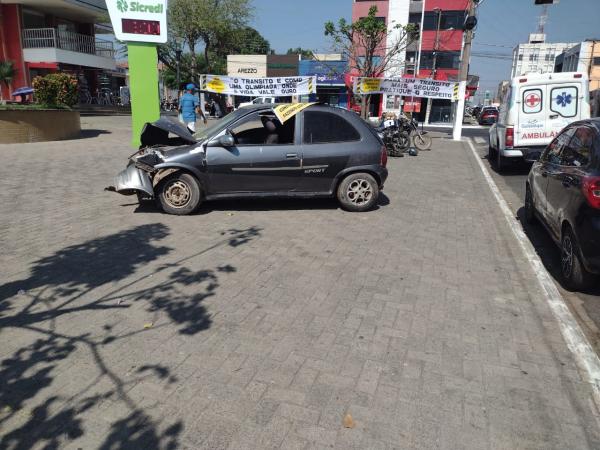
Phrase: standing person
(189,106)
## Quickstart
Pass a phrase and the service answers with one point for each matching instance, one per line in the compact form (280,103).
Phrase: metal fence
(67,40)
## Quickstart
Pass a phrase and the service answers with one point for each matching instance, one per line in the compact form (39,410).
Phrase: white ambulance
(533,111)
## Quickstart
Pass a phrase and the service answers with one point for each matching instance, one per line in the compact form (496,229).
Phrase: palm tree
(7,74)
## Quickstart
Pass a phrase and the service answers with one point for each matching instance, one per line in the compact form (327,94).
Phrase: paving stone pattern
(261,324)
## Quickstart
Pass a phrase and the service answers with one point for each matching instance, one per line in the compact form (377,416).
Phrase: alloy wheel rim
(177,194)
(359,191)
(567,257)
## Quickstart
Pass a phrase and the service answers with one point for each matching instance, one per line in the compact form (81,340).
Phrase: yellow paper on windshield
(287,111)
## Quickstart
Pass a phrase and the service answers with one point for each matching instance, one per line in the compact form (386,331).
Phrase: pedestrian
(189,107)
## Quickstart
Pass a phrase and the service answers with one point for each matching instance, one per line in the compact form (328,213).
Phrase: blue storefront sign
(331,87)
(329,73)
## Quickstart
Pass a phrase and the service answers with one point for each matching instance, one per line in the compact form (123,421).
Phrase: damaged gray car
(319,152)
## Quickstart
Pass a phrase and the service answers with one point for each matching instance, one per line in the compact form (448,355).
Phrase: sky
(502,25)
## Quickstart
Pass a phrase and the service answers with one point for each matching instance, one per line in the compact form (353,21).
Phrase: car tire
(574,274)
(530,212)
(500,162)
(179,194)
(422,142)
(491,153)
(358,192)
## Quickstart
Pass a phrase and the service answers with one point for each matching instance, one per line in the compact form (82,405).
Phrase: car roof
(594,121)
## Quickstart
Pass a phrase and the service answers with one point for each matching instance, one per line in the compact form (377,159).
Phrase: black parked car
(563,191)
(320,152)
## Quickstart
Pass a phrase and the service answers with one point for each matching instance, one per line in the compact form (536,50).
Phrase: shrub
(56,90)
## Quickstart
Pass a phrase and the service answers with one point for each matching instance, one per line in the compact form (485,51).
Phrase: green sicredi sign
(124,6)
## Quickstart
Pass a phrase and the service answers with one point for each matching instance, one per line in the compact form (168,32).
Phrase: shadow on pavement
(261,204)
(92,133)
(88,278)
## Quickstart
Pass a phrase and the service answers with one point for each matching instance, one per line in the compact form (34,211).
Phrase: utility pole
(436,48)
(470,24)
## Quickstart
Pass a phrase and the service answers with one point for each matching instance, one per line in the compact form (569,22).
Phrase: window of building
(449,19)
(596,61)
(521,57)
(322,127)
(444,60)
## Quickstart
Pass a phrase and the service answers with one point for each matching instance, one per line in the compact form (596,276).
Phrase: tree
(7,74)
(365,44)
(207,21)
(306,54)
(247,41)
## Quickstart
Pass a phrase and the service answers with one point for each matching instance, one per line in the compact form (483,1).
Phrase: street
(264,324)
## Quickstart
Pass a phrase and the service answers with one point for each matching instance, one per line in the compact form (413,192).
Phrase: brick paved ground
(261,324)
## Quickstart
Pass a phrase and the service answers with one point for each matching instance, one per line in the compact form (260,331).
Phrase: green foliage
(7,72)
(365,44)
(56,90)
(306,54)
(212,22)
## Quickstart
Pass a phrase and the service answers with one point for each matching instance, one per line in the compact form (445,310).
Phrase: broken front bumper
(132,181)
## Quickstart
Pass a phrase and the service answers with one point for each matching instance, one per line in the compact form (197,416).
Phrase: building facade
(536,56)
(331,88)
(584,57)
(436,55)
(44,36)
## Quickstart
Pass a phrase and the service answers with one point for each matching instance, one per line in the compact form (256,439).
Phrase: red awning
(42,65)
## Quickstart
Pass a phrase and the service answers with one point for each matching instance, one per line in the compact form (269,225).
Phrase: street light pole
(464,72)
(436,49)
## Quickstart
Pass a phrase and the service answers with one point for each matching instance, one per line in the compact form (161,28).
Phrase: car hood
(157,133)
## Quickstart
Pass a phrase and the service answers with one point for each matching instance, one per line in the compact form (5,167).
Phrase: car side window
(263,128)
(577,153)
(552,154)
(322,127)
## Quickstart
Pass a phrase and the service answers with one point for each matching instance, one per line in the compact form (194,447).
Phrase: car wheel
(574,274)
(179,194)
(530,216)
(500,162)
(422,141)
(358,192)
(491,151)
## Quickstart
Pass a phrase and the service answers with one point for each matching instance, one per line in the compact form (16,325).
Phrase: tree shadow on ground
(89,279)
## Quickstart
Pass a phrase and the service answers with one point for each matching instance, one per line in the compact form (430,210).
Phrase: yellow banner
(369,85)
(287,111)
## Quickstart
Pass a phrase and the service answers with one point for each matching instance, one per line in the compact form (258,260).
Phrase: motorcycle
(395,141)
(420,139)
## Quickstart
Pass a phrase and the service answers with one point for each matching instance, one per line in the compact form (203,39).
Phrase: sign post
(143,25)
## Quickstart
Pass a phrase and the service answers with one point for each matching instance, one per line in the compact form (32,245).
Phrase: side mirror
(225,140)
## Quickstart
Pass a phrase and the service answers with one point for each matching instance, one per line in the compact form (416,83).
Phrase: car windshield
(202,135)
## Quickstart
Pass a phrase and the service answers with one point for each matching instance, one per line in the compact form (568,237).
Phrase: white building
(537,56)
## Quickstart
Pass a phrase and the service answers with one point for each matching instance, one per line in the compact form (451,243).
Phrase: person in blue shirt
(189,106)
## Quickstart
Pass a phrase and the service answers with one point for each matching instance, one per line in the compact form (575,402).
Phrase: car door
(566,192)
(540,171)
(325,136)
(531,111)
(261,161)
(564,105)
(555,172)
